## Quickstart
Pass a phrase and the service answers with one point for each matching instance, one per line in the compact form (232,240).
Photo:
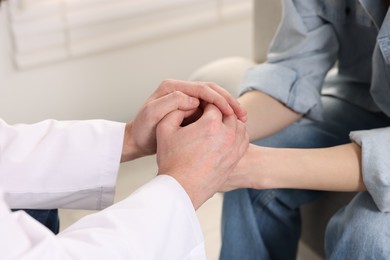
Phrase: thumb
(171,122)
(211,112)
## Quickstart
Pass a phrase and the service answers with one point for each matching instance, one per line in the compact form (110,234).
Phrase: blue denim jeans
(266,224)
(47,217)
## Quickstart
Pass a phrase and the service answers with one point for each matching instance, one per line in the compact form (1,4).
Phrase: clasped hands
(197,130)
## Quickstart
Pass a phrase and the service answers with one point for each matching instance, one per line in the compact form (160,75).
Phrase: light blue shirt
(312,37)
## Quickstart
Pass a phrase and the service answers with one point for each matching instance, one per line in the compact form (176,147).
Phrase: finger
(192,116)
(235,105)
(193,113)
(200,90)
(164,105)
(230,121)
(242,138)
(170,123)
(211,113)
(177,100)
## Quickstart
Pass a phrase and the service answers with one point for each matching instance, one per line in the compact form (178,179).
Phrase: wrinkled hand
(172,95)
(201,155)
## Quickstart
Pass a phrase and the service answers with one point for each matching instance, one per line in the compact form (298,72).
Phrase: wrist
(278,167)
(130,151)
(251,171)
(259,175)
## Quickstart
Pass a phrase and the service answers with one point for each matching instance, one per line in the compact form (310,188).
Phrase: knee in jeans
(364,225)
(361,224)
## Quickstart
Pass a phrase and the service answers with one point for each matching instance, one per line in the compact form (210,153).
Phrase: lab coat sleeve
(302,52)
(157,221)
(376,164)
(67,164)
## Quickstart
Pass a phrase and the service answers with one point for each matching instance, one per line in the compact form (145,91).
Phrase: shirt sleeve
(376,164)
(67,164)
(302,52)
(157,221)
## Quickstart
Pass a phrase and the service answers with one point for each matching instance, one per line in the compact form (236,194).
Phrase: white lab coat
(74,164)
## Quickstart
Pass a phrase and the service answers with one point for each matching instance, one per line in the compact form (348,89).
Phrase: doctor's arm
(158,221)
(74,164)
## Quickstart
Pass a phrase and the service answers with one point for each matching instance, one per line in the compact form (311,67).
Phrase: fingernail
(194,101)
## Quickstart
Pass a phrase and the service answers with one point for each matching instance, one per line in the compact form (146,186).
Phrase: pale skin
(200,155)
(335,168)
(171,95)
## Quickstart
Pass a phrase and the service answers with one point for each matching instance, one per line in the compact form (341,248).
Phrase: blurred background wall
(113,82)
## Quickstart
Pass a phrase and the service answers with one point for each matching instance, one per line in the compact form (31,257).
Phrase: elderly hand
(172,95)
(201,155)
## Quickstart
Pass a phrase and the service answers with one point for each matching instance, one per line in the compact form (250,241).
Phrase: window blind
(45,31)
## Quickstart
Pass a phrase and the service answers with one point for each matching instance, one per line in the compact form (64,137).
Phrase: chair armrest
(226,72)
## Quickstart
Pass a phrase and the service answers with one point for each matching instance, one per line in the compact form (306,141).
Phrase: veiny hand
(171,95)
(201,155)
